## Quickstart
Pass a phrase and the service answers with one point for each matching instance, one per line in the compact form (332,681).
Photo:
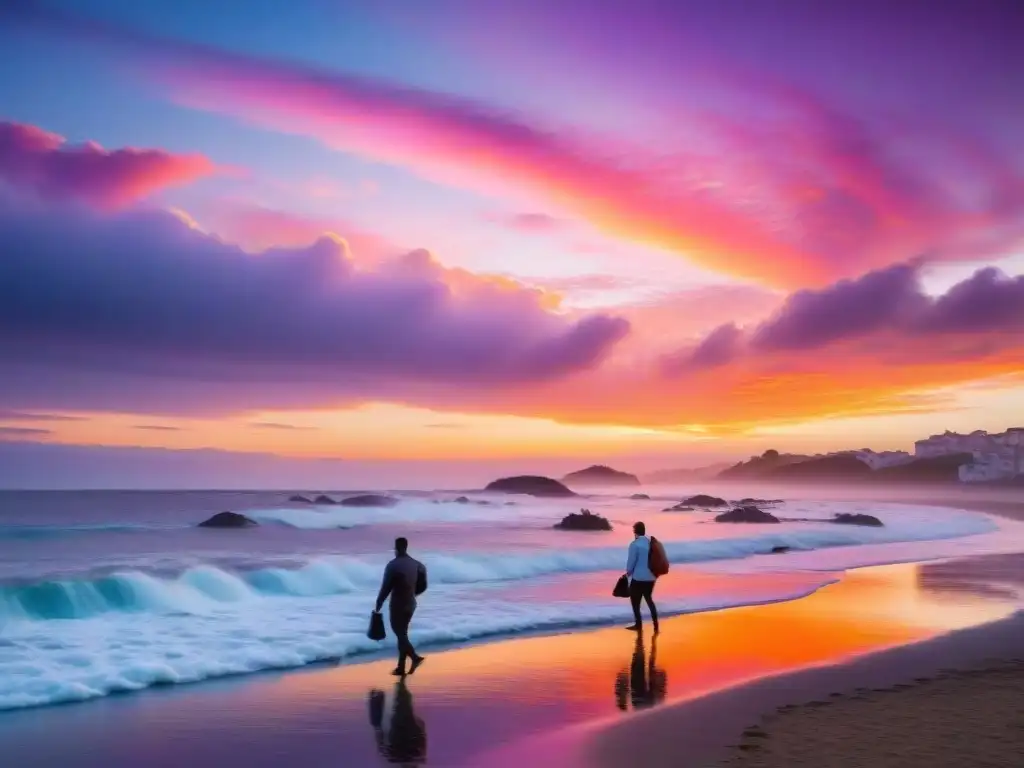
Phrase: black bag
(376,630)
(621,587)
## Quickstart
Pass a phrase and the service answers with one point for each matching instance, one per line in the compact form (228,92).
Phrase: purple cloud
(719,347)
(277,425)
(20,433)
(988,300)
(35,160)
(887,301)
(6,415)
(532,222)
(813,318)
(144,295)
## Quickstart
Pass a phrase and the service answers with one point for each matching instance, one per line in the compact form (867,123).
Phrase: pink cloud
(769,179)
(256,228)
(45,164)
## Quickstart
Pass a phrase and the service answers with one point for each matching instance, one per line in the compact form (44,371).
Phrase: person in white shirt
(641,580)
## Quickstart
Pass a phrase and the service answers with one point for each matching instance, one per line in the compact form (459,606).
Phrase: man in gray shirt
(404,578)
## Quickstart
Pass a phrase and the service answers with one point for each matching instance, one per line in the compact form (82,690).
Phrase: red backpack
(657,560)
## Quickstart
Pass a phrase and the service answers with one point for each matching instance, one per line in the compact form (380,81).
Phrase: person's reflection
(404,741)
(645,684)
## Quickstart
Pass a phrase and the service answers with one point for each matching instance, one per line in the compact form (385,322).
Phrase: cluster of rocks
(700,500)
(362,500)
(753,514)
(584,520)
(746,514)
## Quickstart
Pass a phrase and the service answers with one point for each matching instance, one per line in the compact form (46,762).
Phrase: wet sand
(955,719)
(901,707)
(471,706)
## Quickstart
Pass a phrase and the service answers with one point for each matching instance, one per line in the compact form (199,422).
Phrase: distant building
(996,457)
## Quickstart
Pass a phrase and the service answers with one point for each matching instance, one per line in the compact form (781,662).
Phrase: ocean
(105,592)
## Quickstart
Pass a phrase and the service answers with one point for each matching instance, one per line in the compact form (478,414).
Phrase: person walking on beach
(404,579)
(641,578)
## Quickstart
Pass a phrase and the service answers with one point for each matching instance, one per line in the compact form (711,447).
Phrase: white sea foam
(83,638)
(70,660)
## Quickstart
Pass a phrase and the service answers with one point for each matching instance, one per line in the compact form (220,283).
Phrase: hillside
(826,468)
(676,476)
(936,469)
(762,466)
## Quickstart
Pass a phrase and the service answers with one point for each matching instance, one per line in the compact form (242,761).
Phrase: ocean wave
(204,588)
(49,531)
(44,663)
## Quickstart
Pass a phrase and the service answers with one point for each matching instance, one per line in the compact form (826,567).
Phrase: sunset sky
(442,240)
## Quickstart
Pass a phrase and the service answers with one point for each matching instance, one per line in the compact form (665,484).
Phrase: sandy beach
(597,697)
(952,700)
(957,718)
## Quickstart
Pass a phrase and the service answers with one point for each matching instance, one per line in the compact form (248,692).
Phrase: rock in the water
(600,475)
(369,500)
(584,520)
(532,485)
(847,518)
(758,502)
(322,499)
(703,500)
(746,515)
(780,550)
(680,507)
(299,499)
(461,500)
(640,497)
(228,520)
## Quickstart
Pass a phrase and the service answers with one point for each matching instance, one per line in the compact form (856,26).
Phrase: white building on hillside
(996,457)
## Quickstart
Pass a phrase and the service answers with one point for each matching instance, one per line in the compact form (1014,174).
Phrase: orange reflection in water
(582,672)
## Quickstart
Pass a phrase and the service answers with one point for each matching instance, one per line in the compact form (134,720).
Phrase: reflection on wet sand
(644,684)
(404,739)
(995,576)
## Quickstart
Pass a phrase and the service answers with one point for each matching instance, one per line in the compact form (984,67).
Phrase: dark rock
(703,500)
(321,499)
(584,520)
(228,520)
(461,500)
(680,507)
(758,502)
(780,550)
(299,499)
(483,502)
(531,485)
(369,500)
(746,515)
(600,475)
(847,518)
(640,497)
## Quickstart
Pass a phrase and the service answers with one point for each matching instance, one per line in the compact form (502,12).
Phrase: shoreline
(712,727)
(734,726)
(476,701)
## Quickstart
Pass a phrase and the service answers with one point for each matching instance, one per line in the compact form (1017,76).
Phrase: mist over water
(103,592)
